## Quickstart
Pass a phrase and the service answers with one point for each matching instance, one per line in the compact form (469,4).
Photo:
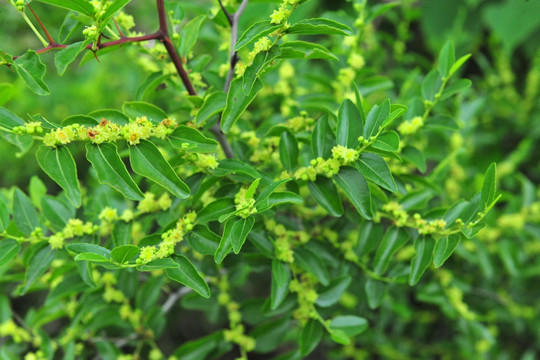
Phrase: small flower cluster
(107,216)
(34,127)
(455,295)
(169,240)
(411,126)
(20,4)
(19,334)
(263,44)
(73,228)
(300,123)
(245,206)
(307,295)
(399,215)
(107,131)
(428,227)
(340,156)
(204,162)
(285,240)
(282,14)
(100,7)
(150,204)
(124,20)
(346,246)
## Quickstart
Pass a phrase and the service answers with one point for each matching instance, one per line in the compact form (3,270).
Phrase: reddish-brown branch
(51,41)
(118,28)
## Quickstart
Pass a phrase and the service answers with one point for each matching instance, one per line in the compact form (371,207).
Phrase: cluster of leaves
(324,212)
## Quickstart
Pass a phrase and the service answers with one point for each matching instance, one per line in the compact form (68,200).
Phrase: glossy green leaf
(189,35)
(288,150)
(319,26)
(112,8)
(212,105)
(240,231)
(203,240)
(340,337)
(68,55)
(458,64)
(9,248)
(322,139)
(135,109)
(237,102)
(124,253)
(147,160)
(281,278)
(254,33)
(188,275)
(114,116)
(444,248)
(375,292)
(353,184)
(333,292)
(456,87)
(39,262)
(389,141)
(369,237)
(423,245)
(393,240)
(305,50)
(92,257)
(309,261)
(349,125)
(489,188)
(431,85)
(30,68)
(375,168)
(80,6)
(80,248)
(25,215)
(111,170)
(195,141)
(56,212)
(310,337)
(159,264)
(260,63)
(325,193)
(349,324)
(415,157)
(59,165)
(215,209)
(446,59)
(9,120)
(441,122)
(375,118)
(284,197)
(4,215)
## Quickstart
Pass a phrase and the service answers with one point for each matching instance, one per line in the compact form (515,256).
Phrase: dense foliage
(269,179)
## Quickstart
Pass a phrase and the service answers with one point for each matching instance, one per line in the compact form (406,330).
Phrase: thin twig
(174,297)
(227,15)
(51,41)
(118,28)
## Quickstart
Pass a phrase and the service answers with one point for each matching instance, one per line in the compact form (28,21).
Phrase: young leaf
(423,245)
(446,59)
(340,337)
(38,263)
(375,292)
(254,33)
(193,138)
(9,248)
(188,275)
(455,88)
(159,264)
(322,139)
(25,215)
(261,61)
(374,168)
(444,248)
(349,324)
(305,50)
(58,163)
(146,160)
(280,283)
(68,55)
(80,6)
(111,170)
(310,337)
(319,26)
(389,141)
(288,150)
(349,125)
(458,64)
(30,68)
(189,35)
(212,105)
(431,85)
(325,193)
(237,102)
(353,184)
(240,231)
(392,241)
(124,253)
(9,120)
(489,187)
(375,118)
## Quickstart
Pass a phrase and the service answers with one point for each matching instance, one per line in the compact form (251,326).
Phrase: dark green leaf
(92,257)
(288,150)
(189,35)
(423,245)
(261,61)
(39,262)
(240,231)
(25,215)
(30,68)
(305,50)
(212,105)
(124,253)
(431,85)
(68,55)
(375,118)
(393,240)
(319,26)
(444,248)
(114,116)
(349,324)
(415,157)
(489,187)
(325,193)
(4,216)
(374,168)
(9,120)
(237,102)
(254,33)
(280,283)
(389,141)
(215,209)
(81,6)
(135,109)
(331,294)
(195,141)
(353,184)
(309,261)
(375,292)
(159,264)
(79,248)
(446,58)
(349,125)
(310,336)
(322,139)
(369,237)
(9,248)
(188,275)
(203,240)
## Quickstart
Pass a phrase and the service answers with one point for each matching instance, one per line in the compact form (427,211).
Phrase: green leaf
(4,216)
(92,257)
(188,275)
(325,193)
(281,278)
(369,237)
(112,171)
(124,253)
(114,116)
(81,6)
(265,194)
(203,240)
(237,102)
(9,120)
(225,244)
(189,35)
(375,118)
(309,261)
(135,109)
(56,212)
(393,240)
(455,88)
(212,105)
(9,248)
(25,215)
(349,125)
(146,160)
(80,248)
(459,63)
(415,157)
(333,292)
(375,292)
(68,55)
(59,165)
(444,248)
(322,139)
(159,264)
(340,337)
(30,68)
(389,141)
(431,85)
(254,33)
(310,337)
(193,138)
(423,245)
(489,188)
(84,120)
(349,324)
(111,9)
(215,209)
(288,150)
(319,26)
(38,263)
(353,184)
(374,168)
(240,231)
(261,61)
(284,197)
(442,122)
(305,50)
(446,59)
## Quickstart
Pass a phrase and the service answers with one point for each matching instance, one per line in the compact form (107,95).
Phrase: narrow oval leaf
(135,109)
(193,139)
(237,102)
(159,264)
(188,275)
(9,248)
(331,294)
(305,50)
(254,33)
(76,5)
(79,248)
(374,168)
(489,187)
(146,160)
(446,58)
(325,193)
(355,187)
(59,164)
(310,337)
(393,240)
(203,240)
(281,278)
(9,120)
(124,253)
(240,231)
(444,248)
(39,262)
(111,170)
(215,210)
(375,118)
(212,105)
(68,55)
(389,141)
(288,150)
(322,139)
(309,261)
(258,66)
(25,215)
(319,26)
(349,125)
(423,245)
(349,324)
(4,216)
(375,292)
(189,35)
(30,68)
(92,257)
